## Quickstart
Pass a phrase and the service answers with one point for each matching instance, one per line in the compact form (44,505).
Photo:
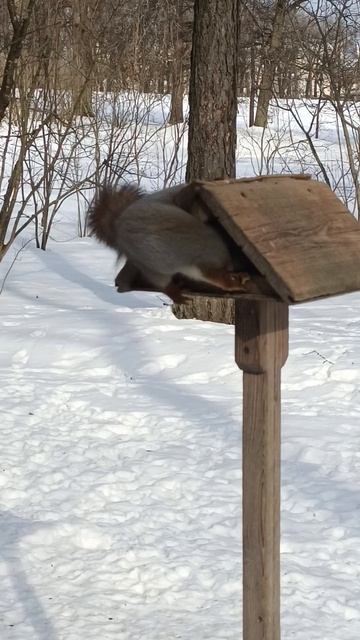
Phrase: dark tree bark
(82,60)
(181,30)
(20,25)
(212,95)
(252,86)
(270,63)
(212,121)
(282,9)
(177,86)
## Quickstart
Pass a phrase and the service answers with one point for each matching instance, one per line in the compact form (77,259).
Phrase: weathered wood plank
(296,232)
(261,349)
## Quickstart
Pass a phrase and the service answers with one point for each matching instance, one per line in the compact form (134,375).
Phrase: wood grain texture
(261,347)
(261,334)
(296,232)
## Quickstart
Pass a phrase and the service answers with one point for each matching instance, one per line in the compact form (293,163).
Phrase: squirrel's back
(162,240)
(106,210)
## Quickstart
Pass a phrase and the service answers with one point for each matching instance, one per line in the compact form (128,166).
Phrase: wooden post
(261,348)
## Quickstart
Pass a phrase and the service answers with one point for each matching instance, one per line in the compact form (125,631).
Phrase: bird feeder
(298,243)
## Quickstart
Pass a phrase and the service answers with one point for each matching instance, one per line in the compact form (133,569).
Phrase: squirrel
(161,240)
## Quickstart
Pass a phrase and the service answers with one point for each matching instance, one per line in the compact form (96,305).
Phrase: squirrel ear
(185,197)
(188,199)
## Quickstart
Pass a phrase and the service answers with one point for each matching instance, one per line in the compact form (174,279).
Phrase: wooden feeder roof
(294,230)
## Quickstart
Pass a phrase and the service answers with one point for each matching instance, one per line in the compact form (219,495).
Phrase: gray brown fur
(107,208)
(160,238)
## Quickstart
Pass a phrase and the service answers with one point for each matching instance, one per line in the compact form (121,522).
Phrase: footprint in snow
(170,361)
(38,334)
(20,357)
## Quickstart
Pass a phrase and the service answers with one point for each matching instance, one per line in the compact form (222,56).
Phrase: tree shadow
(63,267)
(159,386)
(12,530)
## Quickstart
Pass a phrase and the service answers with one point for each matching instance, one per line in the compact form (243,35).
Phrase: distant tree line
(62,63)
(286,48)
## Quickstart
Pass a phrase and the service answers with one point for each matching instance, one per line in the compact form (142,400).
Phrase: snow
(121,462)
(120,468)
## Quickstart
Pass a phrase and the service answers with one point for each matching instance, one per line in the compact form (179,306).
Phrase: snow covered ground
(120,465)
(120,441)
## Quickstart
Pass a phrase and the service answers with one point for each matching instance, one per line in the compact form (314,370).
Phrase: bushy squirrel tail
(106,209)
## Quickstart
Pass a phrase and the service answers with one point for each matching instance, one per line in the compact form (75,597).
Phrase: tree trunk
(309,82)
(212,121)
(177,86)
(252,87)
(270,62)
(203,308)
(212,95)
(82,62)
(20,26)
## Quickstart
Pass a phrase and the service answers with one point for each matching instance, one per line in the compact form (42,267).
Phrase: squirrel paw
(237,281)
(175,293)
